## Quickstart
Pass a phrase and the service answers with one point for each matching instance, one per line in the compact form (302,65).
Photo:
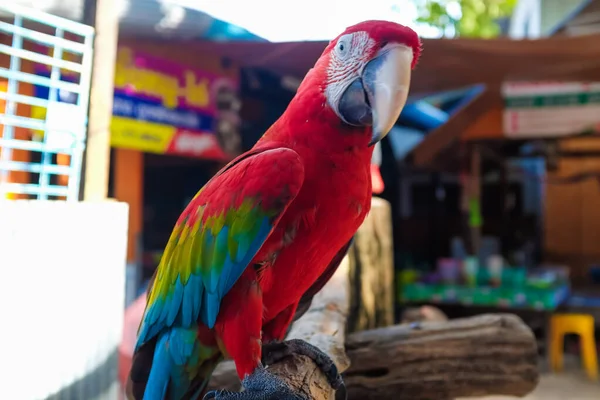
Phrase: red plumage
(310,237)
(332,203)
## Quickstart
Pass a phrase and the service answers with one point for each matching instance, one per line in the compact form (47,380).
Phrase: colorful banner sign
(163,107)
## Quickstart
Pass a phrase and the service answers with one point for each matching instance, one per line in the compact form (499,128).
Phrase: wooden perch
(323,325)
(479,356)
(490,354)
(486,355)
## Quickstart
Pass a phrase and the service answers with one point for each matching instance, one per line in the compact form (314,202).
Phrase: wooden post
(372,270)
(102,14)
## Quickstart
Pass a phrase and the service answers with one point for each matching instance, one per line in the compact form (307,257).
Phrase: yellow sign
(141,135)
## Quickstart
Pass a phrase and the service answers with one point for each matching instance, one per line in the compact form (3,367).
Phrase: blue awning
(424,114)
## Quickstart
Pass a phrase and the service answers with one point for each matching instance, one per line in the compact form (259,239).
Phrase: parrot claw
(275,351)
(261,385)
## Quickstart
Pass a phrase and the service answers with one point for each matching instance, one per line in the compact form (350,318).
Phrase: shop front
(174,125)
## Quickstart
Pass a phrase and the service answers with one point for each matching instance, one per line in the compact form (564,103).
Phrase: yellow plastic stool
(582,325)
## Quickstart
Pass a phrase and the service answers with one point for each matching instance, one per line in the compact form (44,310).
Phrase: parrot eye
(343,46)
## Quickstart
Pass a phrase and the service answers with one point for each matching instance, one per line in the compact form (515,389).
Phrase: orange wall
(129,188)
(23,110)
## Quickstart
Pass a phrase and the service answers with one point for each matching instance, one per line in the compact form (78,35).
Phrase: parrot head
(364,75)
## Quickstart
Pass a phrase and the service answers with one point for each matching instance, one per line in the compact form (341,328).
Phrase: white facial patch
(347,59)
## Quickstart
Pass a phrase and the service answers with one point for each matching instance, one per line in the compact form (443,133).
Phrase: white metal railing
(57,65)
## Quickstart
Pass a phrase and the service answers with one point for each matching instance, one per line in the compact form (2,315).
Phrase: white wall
(62,278)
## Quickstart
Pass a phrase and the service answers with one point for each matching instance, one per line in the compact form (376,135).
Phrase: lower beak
(386,80)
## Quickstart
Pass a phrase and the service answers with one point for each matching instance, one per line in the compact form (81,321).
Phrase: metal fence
(45,73)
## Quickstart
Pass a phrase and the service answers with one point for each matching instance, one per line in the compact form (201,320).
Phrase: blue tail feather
(158,381)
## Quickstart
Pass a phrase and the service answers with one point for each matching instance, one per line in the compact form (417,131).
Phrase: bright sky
(295,20)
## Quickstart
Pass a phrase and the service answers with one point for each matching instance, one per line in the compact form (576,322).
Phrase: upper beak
(386,80)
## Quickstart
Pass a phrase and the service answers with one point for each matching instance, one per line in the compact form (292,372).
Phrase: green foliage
(466,18)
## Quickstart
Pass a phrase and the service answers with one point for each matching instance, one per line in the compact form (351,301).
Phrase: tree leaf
(478,17)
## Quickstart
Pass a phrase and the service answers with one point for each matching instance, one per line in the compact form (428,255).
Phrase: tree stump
(372,271)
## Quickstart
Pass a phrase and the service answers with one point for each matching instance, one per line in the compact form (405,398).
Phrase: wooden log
(372,271)
(323,325)
(479,356)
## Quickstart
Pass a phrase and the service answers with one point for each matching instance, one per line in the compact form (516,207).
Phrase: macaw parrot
(264,235)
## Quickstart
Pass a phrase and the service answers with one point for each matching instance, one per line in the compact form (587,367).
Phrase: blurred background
(120,110)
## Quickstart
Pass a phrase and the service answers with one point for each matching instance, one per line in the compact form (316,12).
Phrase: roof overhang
(445,64)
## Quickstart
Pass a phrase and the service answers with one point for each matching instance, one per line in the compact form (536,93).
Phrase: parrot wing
(217,236)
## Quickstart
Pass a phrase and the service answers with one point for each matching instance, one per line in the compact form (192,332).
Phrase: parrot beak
(386,80)
(377,96)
